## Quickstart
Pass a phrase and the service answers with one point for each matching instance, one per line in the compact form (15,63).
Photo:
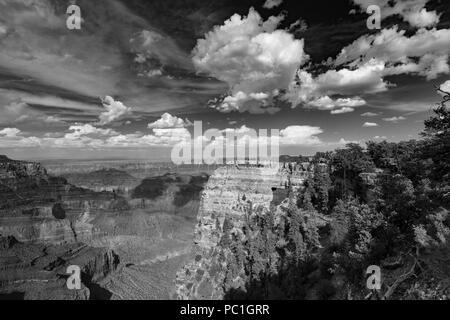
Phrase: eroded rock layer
(232,192)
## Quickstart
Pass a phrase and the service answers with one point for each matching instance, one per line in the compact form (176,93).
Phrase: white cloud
(369,114)
(394,119)
(422,19)
(10,132)
(326,103)
(425,53)
(412,11)
(168,121)
(90,137)
(300,135)
(13,137)
(160,137)
(362,66)
(344,142)
(338,106)
(445,86)
(270,4)
(342,110)
(370,124)
(255,103)
(115,110)
(88,129)
(362,80)
(254,59)
(51,119)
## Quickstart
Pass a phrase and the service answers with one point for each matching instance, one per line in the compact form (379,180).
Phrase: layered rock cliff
(27,189)
(233,194)
(36,206)
(38,271)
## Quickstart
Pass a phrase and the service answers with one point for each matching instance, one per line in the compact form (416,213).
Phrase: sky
(136,76)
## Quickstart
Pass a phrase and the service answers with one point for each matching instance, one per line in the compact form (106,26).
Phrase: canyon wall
(38,271)
(35,206)
(234,193)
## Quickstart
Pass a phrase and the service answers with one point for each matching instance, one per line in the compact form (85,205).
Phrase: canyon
(135,234)
(129,243)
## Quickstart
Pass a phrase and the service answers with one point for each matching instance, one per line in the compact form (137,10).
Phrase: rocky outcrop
(38,271)
(233,193)
(109,179)
(47,230)
(27,189)
(35,206)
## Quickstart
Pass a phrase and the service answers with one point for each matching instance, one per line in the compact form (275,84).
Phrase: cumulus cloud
(394,119)
(88,136)
(10,132)
(361,67)
(300,135)
(88,129)
(422,19)
(445,86)
(257,61)
(168,121)
(367,78)
(160,137)
(370,124)
(13,137)
(115,110)
(315,92)
(270,4)
(338,106)
(425,53)
(412,11)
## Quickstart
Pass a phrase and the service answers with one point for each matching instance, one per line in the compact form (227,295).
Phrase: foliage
(387,200)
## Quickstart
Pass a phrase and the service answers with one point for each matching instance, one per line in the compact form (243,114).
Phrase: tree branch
(391,289)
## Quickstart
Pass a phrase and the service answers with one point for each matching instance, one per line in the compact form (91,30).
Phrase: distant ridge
(4,158)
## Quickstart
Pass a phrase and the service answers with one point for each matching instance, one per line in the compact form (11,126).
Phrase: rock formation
(38,271)
(36,206)
(232,192)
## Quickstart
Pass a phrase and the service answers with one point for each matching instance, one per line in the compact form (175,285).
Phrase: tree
(437,147)
(322,185)
(348,164)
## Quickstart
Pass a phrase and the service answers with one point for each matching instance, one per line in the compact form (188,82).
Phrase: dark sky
(311,69)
